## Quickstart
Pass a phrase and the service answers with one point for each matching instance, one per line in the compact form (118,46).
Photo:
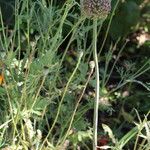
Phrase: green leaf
(126,138)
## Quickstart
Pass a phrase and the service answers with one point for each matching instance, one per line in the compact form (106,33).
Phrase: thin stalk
(66,88)
(76,107)
(141,71)
(69,5)
(38,92)
(15,130)
(114,64)
(61,101)
(96,103)
(3,34)
(109,24)
(66,49)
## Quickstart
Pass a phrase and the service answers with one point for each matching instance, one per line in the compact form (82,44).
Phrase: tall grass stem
(61,101)
(96,103)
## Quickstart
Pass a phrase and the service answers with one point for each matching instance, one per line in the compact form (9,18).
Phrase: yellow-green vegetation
(47,75)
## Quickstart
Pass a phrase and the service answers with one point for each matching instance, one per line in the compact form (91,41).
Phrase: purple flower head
(96,8)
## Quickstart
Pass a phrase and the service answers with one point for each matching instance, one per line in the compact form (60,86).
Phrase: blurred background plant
(44,75)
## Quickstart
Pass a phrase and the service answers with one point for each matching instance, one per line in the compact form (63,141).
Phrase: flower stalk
(96,9)
(96,103)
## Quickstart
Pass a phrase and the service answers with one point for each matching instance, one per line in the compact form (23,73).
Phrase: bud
(92,64)
(96,8)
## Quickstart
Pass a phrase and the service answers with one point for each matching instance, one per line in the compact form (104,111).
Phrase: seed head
(96,8)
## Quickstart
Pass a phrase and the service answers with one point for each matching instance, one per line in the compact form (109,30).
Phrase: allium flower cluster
(96,8)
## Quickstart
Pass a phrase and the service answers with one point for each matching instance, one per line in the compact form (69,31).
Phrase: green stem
(61,101)
(109,24)
(96,103)
(65,91)
(76,107)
